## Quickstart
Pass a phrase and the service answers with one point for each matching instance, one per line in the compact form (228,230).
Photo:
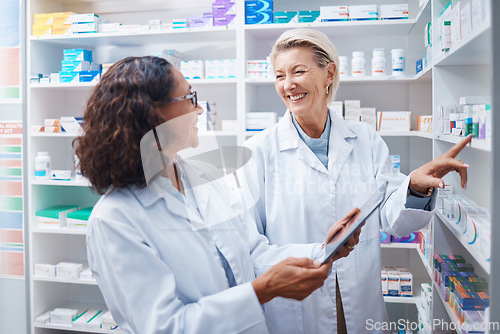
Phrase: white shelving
(460,237)
(63,280)
(422,93)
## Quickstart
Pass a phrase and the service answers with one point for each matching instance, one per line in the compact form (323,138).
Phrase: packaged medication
(398,62)
(337,107)
(334,13)
(393,283)
(393,120)
(258,11)
(68,270)
(79,219)
(406,284)
(309,16)
(46,270)
(384,279)
(42,166)
(424,123)
(465,19)
(54,216)
(107,321)
(396,164)
(378,62)
(352,104)
(63,316)
(393,12)
(85,317)
(286,17)
(229,125)
(86,274)
(358,64)
(344,66)
(257,121)
(364,12)
(60,174)
(445,35)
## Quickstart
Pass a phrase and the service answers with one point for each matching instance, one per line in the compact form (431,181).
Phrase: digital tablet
(352,226)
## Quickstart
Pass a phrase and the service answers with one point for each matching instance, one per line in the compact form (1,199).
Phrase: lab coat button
(329,313)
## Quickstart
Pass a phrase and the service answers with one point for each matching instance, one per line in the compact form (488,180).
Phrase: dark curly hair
(120,111)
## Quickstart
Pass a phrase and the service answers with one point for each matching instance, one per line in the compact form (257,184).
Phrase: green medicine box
(79,219)
(55,216)
(308,16)
(286,17)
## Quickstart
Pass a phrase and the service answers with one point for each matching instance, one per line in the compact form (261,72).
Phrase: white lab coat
(157,265)
(299,201)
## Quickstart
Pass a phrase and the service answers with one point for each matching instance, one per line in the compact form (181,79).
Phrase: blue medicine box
(74,65)
(285,17)
(90,76)
(65,77)
(419,66)
(77,55)
(258,11)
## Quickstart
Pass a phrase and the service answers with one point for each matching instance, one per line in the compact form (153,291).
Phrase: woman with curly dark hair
(170,257)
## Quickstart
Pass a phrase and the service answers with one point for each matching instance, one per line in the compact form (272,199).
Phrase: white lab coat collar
(338,147)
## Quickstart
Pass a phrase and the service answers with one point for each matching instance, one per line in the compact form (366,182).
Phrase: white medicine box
(257,121)
(68,270)
(55,216)
(393,121)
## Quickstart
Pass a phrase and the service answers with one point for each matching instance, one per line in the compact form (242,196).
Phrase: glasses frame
(192,96)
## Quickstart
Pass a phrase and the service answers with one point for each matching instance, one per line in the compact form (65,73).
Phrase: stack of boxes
(63,23)
(466,293)
(201,21)
(397,282)
(209,69)
(224,12)
(258,11)
(350,110)
(259,69)
(471,116)
(79,319)
(78,66)
(412,238)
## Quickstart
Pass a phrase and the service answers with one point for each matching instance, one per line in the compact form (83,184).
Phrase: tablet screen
(352,226)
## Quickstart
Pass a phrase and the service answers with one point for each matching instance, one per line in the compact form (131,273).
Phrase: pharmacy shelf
(339,28)
(451,314)
(84,330)
(472,251)
(420,134)
(425,75)
(480,144)
(55,134)
(354,80)
(60,230)
(425,263)
(400,300)
(64,280)
(400,245)
(423,11)
(212,81)
(63,85)
(184,35)
(71,183)
(474,49)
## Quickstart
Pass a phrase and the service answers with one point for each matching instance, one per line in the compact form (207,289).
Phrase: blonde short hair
(323,49)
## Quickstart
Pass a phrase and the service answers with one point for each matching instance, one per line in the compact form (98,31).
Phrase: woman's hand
(293,278)
(337,228)
(430,174)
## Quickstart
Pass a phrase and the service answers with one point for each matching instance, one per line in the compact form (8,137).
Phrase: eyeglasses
(191,97)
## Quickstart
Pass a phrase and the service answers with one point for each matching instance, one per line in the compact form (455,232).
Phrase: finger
(453,152)
(351,214)
(302,262)
(429,181)
(463,177)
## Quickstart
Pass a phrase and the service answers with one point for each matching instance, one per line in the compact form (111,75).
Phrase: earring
(326,90)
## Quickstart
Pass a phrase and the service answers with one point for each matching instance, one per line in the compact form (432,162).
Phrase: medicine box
(68,270)
(90,76)
(54,216)
(410,238)
(334,13)
(223,8)
(286,17)
(85,18)
(393,283)
(352,104)
(259,12)
(86,274)
(257,121)
(75,65)
(60,174)
(67,77)
(364,12)
(84,318)
(384,279)
(337,108)
(424,123)
(63,316)
(406,284)
(229,125)
(79,218)
(393,12)
(77,55)
(107,321)
(385,238)
(393,121)
(309,16)
(47,270)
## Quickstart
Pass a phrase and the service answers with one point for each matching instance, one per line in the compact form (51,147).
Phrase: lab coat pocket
(284,315)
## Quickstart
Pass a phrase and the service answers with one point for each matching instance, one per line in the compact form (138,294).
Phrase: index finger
(453,152)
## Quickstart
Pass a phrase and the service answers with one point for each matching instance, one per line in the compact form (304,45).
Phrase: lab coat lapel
(339,148)
(289,139)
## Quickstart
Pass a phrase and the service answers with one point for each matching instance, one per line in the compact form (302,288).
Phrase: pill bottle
(378,62)
(343,66)
(42,166)
(398,62)
(358,64)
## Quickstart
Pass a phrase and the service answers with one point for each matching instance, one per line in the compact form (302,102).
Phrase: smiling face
(301,83)
(180,128)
